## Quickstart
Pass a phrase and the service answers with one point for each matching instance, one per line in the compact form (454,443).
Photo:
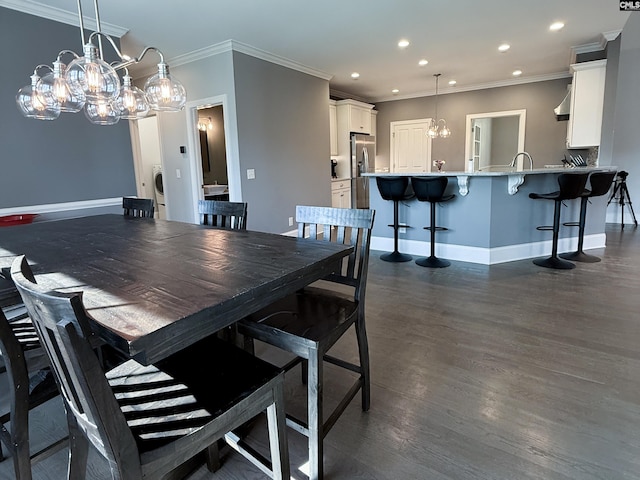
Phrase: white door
(410,146)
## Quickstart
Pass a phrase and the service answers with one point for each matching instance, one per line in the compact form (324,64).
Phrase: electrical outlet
(251,173)
(402,230)
(291,221)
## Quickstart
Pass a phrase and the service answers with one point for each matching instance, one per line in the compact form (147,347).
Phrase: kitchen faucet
(513,162)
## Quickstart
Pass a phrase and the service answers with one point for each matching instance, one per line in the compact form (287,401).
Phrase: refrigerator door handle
(365,154)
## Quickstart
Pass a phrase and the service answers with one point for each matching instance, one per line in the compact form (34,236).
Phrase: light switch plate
(251,173)
(178,173)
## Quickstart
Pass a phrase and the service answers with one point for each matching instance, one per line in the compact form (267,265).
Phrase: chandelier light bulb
(33,104)
(101,113)
(131,103)
(444,131)
(164,93)
(55,84)
(92,77)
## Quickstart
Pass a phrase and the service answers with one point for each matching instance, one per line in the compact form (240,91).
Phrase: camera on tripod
(621,195)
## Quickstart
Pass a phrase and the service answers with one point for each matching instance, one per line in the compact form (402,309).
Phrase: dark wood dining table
(154,287)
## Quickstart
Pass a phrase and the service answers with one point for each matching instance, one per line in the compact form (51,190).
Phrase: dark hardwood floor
(505,372)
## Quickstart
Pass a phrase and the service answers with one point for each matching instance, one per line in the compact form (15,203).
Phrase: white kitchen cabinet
(374,118)
(354,116)
(341,194)
(587,99)
(333,127)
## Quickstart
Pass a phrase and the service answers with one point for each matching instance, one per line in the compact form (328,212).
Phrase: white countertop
(535,171)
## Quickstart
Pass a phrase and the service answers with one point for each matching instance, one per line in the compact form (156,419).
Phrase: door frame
(233,163)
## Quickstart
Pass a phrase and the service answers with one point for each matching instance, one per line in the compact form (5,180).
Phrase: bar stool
(571,186)
(431,189)
(600,185)
(394,188)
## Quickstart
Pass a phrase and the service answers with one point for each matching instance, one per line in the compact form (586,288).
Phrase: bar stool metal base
(396,257)
(554,262)
(433,262)
(580,257)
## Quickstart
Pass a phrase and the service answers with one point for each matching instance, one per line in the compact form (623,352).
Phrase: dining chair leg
(19,428)
(78,451)
(315,416)
(212,455)
(277,424)
(363,350)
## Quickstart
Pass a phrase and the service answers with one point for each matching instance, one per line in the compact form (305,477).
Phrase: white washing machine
(158,188)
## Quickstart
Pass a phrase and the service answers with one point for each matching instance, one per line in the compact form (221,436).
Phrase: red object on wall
(9,220)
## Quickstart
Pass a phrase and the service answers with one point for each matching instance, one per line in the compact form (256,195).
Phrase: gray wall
(202,79)
(65,160)
(278,125)
(626,141)
(610,88)
(504,140)
(283,131)
(545,138)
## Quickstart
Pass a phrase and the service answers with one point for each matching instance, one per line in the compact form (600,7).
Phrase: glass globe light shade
(165,93)
(131,103)
(92,77)
(102,113)
(444,131)
(433,130)
(35,105)
(55,84)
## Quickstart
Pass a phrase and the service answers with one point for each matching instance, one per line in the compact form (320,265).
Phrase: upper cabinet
(587,99)
(374,118)
(354,116)
(333,127)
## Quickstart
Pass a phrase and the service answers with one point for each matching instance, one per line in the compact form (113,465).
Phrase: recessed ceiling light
(395,90)
(355,75)
(517,73)
(452,82)
(556,26)
(423,62)
(504,47)
(403,43)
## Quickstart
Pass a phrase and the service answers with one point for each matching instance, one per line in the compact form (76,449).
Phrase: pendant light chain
(435,130)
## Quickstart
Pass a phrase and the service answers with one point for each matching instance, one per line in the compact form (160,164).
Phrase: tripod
(621,189)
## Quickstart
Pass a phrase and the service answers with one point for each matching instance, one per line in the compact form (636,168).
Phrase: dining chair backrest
(345,226)
(62,325)
(138,207)
(217,213)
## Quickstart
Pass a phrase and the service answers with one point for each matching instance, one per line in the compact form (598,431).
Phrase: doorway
(213,154)
(148,162)
(234,185)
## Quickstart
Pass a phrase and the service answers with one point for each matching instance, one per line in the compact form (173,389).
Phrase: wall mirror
(493,139)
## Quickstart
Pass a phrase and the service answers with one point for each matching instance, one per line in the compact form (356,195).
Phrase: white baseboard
(63,207)
(488,256)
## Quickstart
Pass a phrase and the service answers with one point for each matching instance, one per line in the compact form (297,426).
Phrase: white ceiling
(459,38)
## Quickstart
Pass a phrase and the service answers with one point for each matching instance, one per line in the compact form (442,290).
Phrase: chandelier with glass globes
(90,84)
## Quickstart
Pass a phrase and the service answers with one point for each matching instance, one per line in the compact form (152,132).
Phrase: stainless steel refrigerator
(363,160)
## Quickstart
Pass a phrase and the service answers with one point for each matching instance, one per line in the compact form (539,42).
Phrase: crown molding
(234,45)
(479,86)
(62,16)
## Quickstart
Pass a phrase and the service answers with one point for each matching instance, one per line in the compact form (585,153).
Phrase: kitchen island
(491,219)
